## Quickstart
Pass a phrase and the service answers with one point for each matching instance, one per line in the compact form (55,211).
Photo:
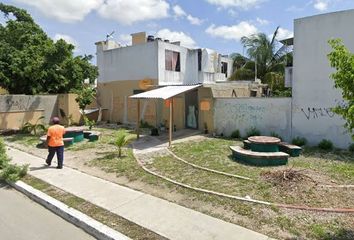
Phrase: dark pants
(60,155)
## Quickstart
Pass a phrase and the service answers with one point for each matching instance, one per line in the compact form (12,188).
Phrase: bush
(351,147)
(325,145)
(274,134)
(252,132)
(299,141)
(235,134)
(13,172)
(10,172)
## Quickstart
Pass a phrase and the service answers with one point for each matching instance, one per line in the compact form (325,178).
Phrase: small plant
(235,134)
(274,134)
(89,123)
(34,128)
(325,144)
(252,132)
(206,131)
(351,148)
(144,124)
(122,140)
(299,141)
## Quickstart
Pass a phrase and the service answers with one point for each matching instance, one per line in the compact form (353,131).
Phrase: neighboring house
(151,63)
(313,92)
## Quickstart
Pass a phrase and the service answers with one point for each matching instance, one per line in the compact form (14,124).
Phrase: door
(191,109)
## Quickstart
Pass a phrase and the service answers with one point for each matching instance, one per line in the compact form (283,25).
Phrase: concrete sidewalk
(165,218)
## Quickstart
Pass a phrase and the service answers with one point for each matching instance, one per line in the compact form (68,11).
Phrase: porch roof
(165,92)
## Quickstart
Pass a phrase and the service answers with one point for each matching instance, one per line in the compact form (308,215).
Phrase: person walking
(55,143)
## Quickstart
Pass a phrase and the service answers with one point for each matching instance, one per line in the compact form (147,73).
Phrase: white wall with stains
(313,91)
(266,114)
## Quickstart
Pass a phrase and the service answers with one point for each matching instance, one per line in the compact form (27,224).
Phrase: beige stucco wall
(68,105)
(114,98)
(16,119)
(206,117)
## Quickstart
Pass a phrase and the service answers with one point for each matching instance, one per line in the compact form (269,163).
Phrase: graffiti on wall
(316,113)
(16,104)
(325,112)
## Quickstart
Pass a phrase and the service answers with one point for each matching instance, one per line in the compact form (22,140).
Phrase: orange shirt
(56,133)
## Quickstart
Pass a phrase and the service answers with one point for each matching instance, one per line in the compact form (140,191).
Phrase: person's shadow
(44,166)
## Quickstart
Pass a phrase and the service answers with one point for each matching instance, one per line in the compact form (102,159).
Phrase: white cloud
(194,20)
(185,40)
(131,11)
(321,5)
(64,10)
(245,4)
(67,39)
(235,32)
(232,12)
(284,34)
(262,21)
(178,11)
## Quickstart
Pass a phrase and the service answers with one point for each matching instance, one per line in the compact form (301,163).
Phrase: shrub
(299,141)
(144,124)
(252,132)
(10,172)
(351,147)
(4,160)
(13,172)
(274,134)
(325,145)
(235,134)
(35,128)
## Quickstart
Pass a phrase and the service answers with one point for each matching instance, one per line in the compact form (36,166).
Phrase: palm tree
(122,139)
(269,58)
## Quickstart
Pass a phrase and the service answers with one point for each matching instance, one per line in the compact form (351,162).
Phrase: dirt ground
(278,223)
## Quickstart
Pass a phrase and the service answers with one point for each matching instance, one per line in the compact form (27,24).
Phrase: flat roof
(165,92)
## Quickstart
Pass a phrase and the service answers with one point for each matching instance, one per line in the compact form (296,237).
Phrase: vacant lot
(314,179)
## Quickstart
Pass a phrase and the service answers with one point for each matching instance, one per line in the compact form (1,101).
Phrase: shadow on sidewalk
(44,166)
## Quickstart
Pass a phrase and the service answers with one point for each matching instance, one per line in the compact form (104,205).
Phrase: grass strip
(112,220)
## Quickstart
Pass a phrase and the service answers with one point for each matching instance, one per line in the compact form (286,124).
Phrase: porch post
(171,123)
(138,122)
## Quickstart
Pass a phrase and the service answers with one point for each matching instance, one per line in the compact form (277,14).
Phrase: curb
(88,224)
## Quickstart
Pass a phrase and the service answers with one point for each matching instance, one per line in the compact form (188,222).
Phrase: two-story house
(151,63)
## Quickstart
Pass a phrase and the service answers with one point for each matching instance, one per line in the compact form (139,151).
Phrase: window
(172,61)
(199,59)
(224,68)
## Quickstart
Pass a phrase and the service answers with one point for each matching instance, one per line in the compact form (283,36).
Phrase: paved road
(23,219)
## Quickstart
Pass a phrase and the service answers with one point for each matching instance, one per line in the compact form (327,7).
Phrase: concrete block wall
(313,91)
(266,114)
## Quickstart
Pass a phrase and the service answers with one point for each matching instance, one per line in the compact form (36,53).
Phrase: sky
(214,24)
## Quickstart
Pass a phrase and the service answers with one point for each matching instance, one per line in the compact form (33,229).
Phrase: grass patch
(114,221)
(25,139)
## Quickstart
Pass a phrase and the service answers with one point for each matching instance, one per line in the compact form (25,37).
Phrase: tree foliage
(32,63)
(85,96)
(266,53)
(343,61)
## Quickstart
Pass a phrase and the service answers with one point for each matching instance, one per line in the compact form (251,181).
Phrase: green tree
(32,63)
(266,54)
(85,97)
(343,61)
